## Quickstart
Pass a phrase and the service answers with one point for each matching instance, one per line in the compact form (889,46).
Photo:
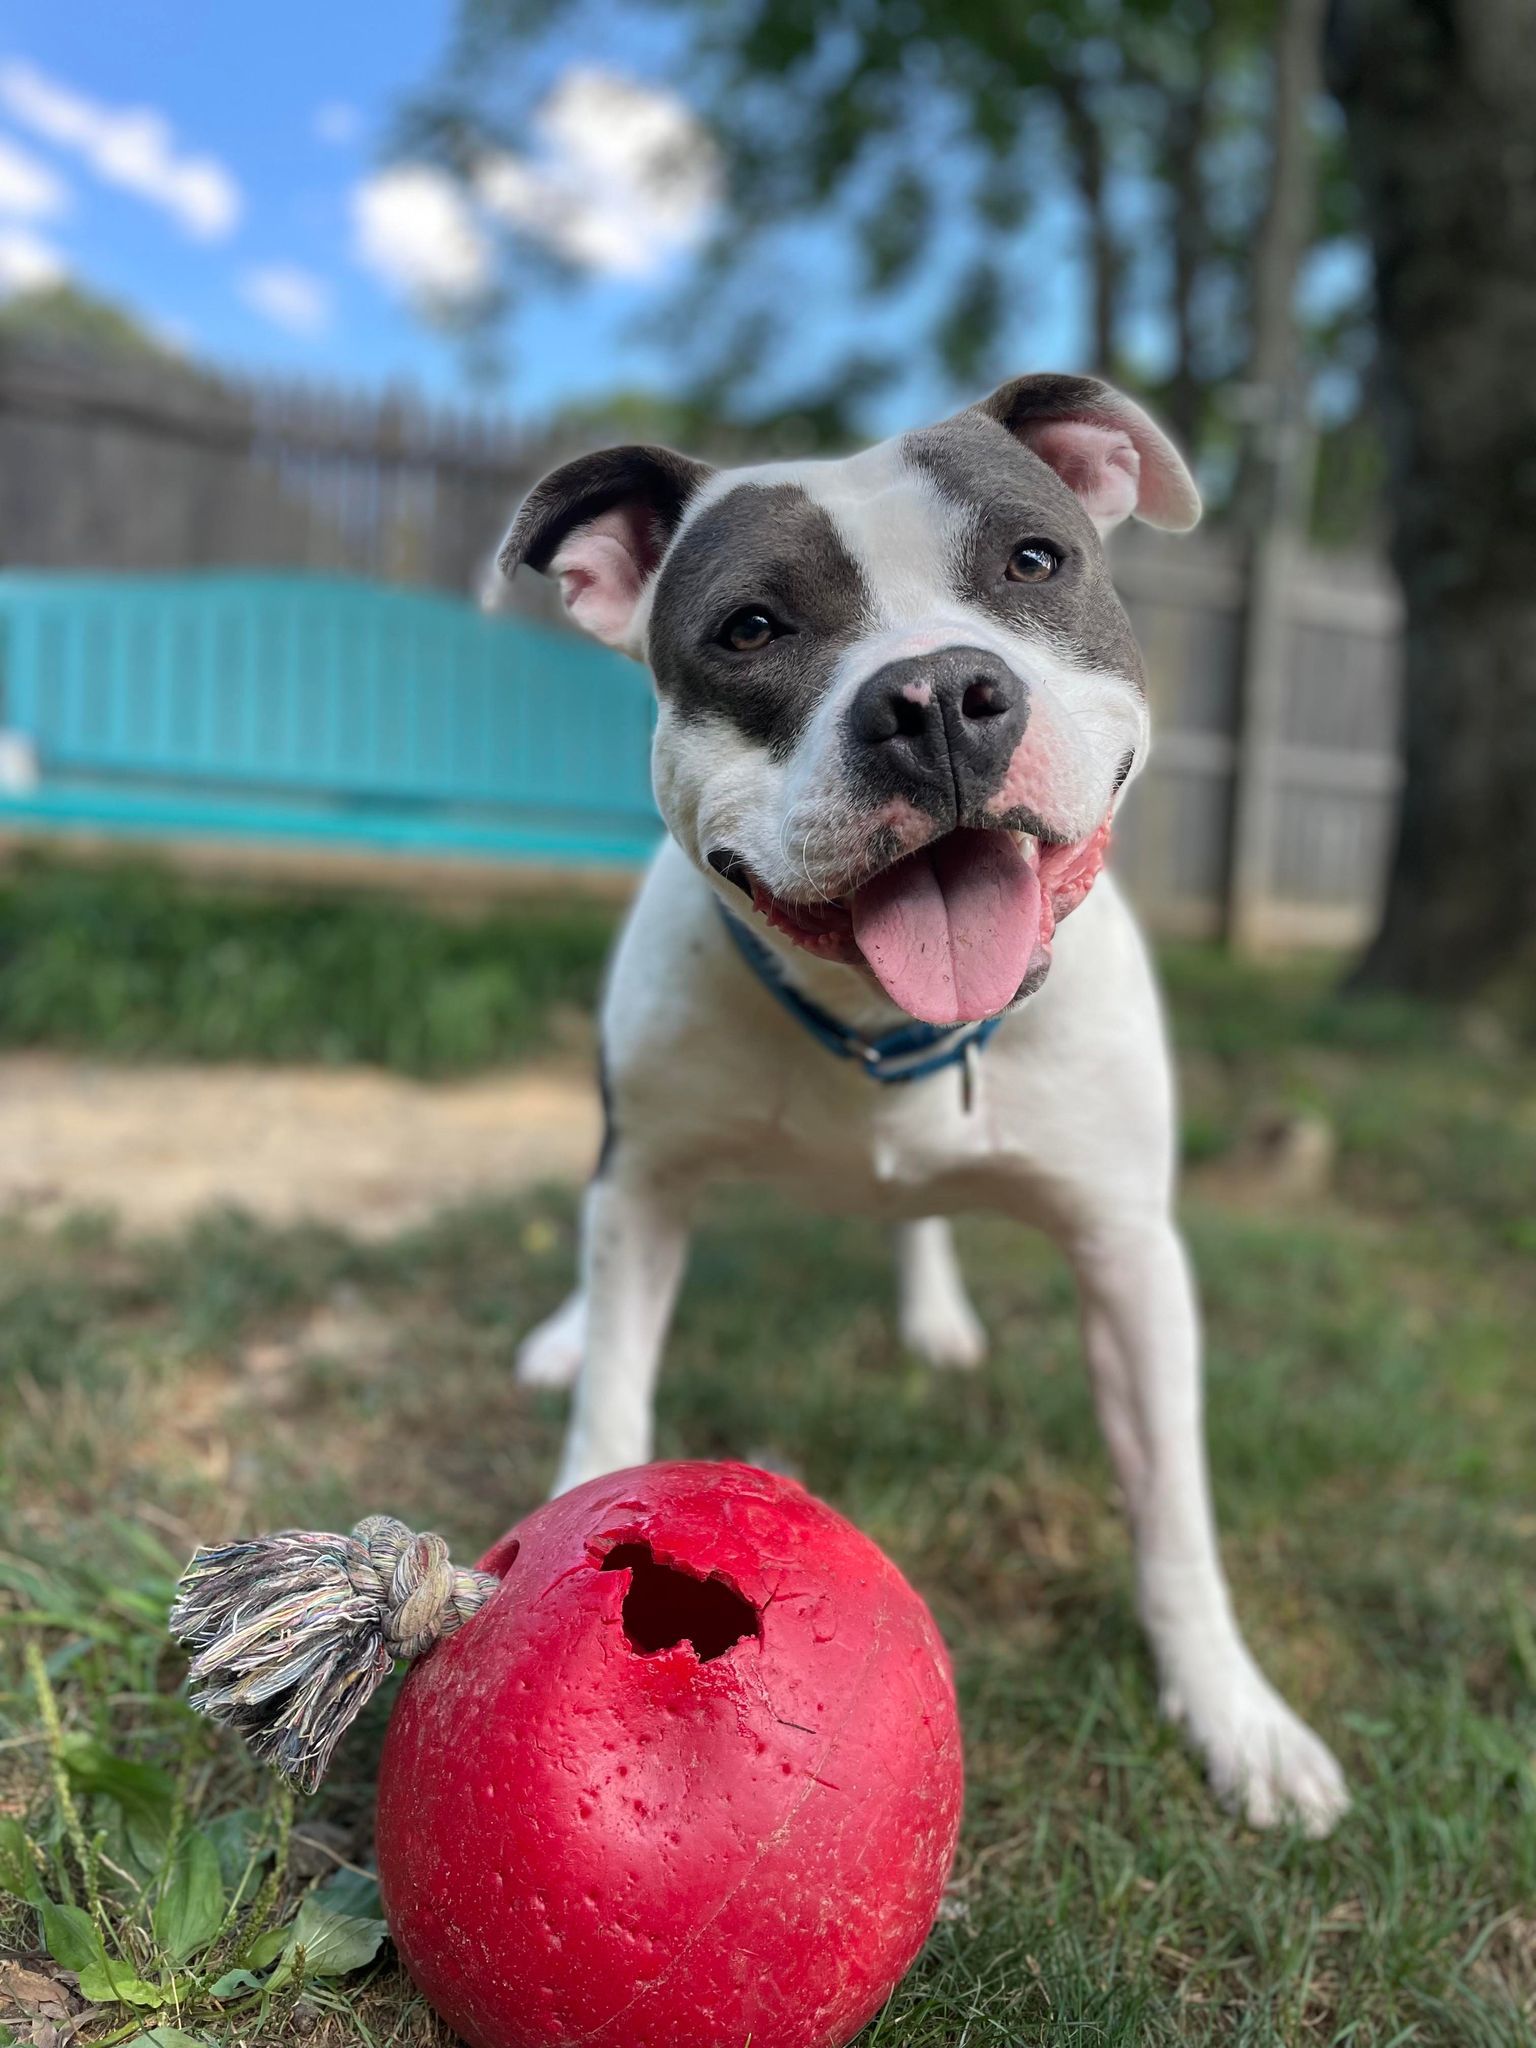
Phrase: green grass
(128,962)
(1373,1427)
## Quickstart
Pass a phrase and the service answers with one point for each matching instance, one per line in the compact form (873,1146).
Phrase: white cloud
(414,229)
(134,148)
(337,123)
(625,175)
(27,262)
(287,296)
(28,188)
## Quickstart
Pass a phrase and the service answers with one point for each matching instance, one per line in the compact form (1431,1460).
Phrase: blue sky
(251,217)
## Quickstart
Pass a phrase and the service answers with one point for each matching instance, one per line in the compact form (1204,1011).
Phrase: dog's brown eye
(744,632)
(1032,561)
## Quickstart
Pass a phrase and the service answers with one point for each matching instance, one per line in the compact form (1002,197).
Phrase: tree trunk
(1106,258)
(1438,96)
(1188,123)
(1264,489)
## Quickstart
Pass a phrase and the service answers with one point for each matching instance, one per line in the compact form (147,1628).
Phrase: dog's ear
(1102,445)
(602,524)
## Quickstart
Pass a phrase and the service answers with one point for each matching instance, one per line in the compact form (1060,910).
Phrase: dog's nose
(939,729)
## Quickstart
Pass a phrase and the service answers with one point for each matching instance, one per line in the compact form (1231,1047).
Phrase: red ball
(691,1778)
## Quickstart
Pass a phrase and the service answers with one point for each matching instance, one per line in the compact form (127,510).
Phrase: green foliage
(129,961)
(154,1907)
(62,315)
(1247,1010)
(928,149)
(326,1940)
(18,1873)
(190,1909)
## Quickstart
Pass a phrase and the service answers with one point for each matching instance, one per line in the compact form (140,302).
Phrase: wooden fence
(147,464)
(1318,797)
(1266,811)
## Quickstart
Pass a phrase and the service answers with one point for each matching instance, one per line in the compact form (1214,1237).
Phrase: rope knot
(423,1594)
(294,1633)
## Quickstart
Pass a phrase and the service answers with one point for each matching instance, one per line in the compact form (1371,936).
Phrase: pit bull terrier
(878,959)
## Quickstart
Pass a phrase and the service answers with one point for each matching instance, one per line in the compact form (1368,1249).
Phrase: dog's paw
(945,1334)
(551,1355)
(1263,1761)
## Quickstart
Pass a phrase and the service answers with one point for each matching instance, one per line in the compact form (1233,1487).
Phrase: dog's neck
(849,994)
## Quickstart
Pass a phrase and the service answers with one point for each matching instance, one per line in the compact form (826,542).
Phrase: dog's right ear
(602,524)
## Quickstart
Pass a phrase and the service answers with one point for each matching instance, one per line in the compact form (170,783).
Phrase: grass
(128,962)
(1373,1426)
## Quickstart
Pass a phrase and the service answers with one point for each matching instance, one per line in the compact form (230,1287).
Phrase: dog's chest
(834,1140)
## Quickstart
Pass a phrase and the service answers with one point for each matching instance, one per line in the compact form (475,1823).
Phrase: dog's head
(898,694)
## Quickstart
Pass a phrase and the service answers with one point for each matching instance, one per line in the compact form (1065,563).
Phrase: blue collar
(909,1054)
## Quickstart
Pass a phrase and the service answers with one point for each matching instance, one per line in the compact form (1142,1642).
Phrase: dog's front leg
(634,1243)
(1142,1335)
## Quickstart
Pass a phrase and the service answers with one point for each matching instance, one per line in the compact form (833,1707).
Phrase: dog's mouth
(954,932)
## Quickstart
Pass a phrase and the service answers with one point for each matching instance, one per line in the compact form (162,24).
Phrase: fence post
(1263,650)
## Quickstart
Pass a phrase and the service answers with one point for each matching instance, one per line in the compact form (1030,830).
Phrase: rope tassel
(295,1633)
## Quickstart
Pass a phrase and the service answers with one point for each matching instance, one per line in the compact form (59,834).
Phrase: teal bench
(264,706)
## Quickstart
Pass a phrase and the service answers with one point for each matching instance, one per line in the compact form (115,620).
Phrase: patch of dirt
(365,1150)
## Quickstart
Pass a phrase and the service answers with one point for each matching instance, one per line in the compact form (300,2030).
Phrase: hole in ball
(500,1560)
(666,1606)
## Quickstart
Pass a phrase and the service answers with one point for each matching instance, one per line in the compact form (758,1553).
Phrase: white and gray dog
(898,701)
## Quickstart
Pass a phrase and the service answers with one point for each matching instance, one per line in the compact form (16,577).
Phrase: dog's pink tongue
(950,931)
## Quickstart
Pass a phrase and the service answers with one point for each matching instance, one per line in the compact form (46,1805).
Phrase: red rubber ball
(690,1779)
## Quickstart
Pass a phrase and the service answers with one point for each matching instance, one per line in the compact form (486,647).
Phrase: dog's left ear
(1102,445)
(602,524)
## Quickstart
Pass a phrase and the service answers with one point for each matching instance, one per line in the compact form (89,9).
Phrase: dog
(878,959)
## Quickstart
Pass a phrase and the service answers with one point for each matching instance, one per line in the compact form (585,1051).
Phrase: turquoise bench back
(265,706)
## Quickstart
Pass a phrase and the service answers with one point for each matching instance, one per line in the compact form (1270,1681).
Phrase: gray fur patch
(1012,496)
(767,545)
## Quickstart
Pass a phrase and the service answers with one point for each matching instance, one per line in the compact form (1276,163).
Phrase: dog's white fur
(1072,1132)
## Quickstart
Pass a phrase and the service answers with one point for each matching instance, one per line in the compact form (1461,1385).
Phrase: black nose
(938,729)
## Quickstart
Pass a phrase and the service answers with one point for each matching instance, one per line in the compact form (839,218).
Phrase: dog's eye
(1032,561)
(744,632)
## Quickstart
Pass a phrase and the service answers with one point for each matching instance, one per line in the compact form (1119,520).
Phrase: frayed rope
(294,1633)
